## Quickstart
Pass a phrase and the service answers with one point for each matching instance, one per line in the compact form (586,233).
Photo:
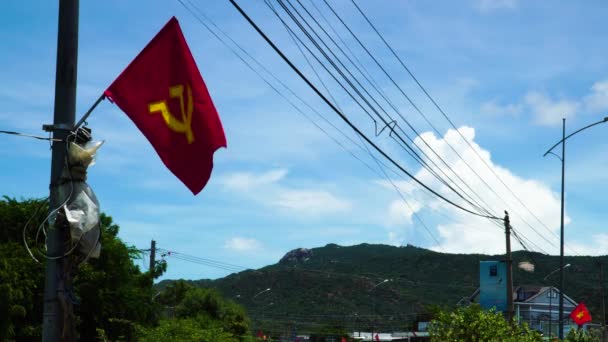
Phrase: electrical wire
(413,154)
(343,117)
(30,136)
(294,94)
(384,174)
(450,121)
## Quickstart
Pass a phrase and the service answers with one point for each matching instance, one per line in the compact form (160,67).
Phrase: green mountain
(334,285)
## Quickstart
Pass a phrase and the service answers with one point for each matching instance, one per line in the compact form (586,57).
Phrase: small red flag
(164,94)
(580,315)
(377,337)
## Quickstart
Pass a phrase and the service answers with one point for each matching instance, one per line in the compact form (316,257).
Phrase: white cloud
(245,181)
(401,212)
(549,112)
(311,202)
(269,189)
(242,244)
(496,109)
(488,6)
(598,245)
(598,99)
(461,232)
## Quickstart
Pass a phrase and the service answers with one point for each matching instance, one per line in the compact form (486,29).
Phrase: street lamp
(380,283)
(561,247)
(374,305)
(555,270)
(259,293)
(551,298)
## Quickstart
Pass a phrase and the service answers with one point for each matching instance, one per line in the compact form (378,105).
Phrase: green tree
(581,335)
(21,278)
(471,323)
(114,295)
(202,312)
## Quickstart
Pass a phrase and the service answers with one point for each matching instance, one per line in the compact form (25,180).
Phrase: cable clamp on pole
(57,127)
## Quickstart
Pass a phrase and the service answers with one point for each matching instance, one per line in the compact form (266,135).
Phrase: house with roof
(538,306)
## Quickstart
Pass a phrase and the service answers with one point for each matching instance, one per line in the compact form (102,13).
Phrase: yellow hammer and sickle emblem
(580,315)
(180,126)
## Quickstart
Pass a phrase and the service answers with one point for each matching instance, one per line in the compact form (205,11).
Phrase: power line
(344,118)
(415,155)
(378,163)
(300,111)
(428,121)
(291,33)
(31,136)
(383,96)
(450,121)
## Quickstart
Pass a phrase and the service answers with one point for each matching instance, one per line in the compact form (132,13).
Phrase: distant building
(408,336)
(538,306)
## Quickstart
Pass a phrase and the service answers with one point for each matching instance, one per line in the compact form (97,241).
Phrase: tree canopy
(114,300)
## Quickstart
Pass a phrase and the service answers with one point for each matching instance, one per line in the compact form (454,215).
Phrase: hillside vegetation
(334,285)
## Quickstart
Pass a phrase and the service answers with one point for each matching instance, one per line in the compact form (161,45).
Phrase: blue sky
(505,71)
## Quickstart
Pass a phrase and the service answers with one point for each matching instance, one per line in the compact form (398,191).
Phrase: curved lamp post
(370,291)
(561,245)
(259,293)
(551,298)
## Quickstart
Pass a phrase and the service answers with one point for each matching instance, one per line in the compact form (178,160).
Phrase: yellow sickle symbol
(183,126)
(580,315)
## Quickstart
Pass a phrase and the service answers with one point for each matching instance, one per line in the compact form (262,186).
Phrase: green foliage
(186,330)
(471,323)
(117,300)
(581,335)
(199,312)
(21,279)
(115,295)
(336,281)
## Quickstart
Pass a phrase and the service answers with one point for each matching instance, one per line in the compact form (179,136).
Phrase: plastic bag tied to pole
(82,211)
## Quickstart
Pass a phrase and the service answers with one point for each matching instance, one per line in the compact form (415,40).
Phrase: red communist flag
(164,94)
(580,315)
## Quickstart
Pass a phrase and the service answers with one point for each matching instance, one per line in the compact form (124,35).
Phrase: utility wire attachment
(30,136)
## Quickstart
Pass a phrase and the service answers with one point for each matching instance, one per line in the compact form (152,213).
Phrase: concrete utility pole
(603,302)
(561,240)
(152,257)
(63,122)
(509,270)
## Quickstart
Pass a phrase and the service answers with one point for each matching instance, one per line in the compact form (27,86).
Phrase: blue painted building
(493,285)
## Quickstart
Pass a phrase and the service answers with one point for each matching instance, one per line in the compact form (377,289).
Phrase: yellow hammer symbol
(180,126)
(580,315)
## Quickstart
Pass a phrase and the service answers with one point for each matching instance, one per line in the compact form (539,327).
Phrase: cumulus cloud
(242,244)
(400,212)
(245,181)
(549,112)
(597,100)
(495,109)
(311,201)
(598,245)
(461,232)
(269,188)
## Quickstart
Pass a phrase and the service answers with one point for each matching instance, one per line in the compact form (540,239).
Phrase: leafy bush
(576,335)
(471,323)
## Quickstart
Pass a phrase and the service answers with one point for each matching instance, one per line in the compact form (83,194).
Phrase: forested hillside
(336,284)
